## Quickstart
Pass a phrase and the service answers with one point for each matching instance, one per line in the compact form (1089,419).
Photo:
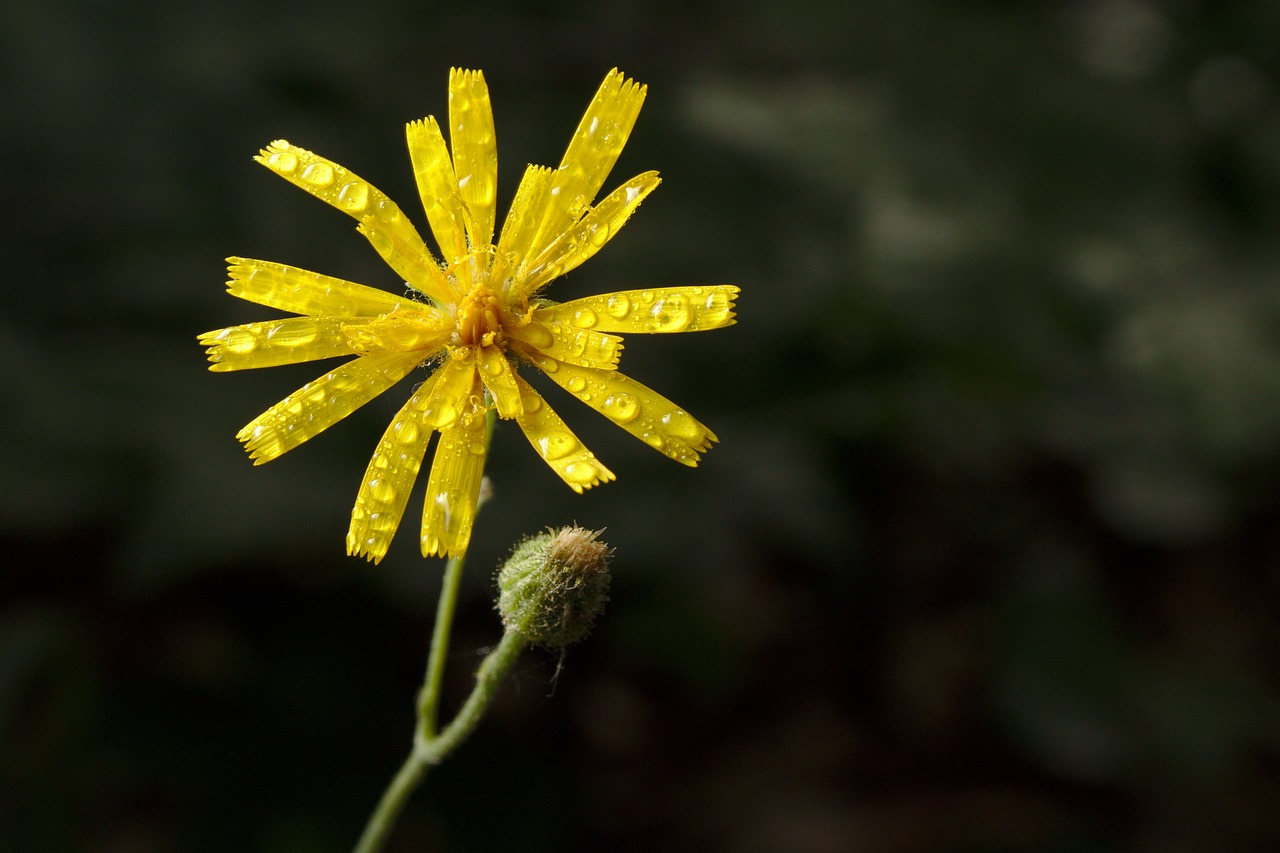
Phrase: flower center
(479,318)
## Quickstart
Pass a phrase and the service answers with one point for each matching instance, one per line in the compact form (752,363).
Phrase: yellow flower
(472,319)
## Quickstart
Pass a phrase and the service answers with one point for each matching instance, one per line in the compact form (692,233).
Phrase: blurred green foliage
(986,560)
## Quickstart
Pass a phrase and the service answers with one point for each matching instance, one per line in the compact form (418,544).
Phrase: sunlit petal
(438,187)
(590,233)
(566,342)
(639,410)
(275,342)
(319,405)
(694,308)
(556,443)
(592,151)
(499,377)
(302,292)
(475,151)
(451,396)
(389,479)
(454,486)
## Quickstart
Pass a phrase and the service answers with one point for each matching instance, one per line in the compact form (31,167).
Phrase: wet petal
(499,377)
(454,486)
(319,405)
(590,234)
(475,151)
(389,479)
(661,309)
(639,410)
(342,188)
(275,342)
(556,443)
(521,224)
(438,187)
(592,151)
(303,292)
(569,343)
(410,258)
(454,388)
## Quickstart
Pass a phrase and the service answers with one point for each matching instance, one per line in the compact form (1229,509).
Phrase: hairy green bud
(554,585)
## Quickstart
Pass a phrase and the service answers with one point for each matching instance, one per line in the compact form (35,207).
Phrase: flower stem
(430,745)
(434,749)
(429,698)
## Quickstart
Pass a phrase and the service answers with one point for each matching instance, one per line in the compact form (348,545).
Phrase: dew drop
(283,161)
(621,407)
(580,472)
(531,404)
(681,425)
(549,365)
(406,431)
(618,306)
(653,440)
(354,196)
(584,318)
(476,447)
(318,174)
(599,235)
(670,314)
(556,445)
(576,384)
(646,296)
(382,490)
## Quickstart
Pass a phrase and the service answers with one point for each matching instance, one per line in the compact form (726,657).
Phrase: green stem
(429,745)
(432,750)
(429,698)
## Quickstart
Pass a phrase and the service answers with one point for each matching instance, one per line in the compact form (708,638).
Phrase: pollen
(479,318)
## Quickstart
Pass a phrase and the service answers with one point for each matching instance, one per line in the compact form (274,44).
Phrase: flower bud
(554,585)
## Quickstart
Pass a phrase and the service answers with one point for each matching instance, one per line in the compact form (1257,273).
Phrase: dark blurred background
(987,559)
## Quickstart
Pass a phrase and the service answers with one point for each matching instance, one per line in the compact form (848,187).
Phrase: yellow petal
(302,292)
(454,485)
(590,233)
(500,379)
(639,410)
(319,405)
(521,225)
(567,342)
(389,479)
(275,342)
(475,151)
(452,394)
(592,151)
(345,190)
(410,259)
(660,309)
(438,187)
(556,443)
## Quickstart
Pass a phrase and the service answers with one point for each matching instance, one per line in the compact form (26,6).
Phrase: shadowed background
(986,558)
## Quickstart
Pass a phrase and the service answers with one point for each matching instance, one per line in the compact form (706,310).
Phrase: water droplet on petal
(580,472)
(381,490)
(318,174)
(354,196)
(681,425)
(618,306)
(556,445)
(584,318)
(670,314)
(576,384)
(406,431)
(283,161)
(621,407)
